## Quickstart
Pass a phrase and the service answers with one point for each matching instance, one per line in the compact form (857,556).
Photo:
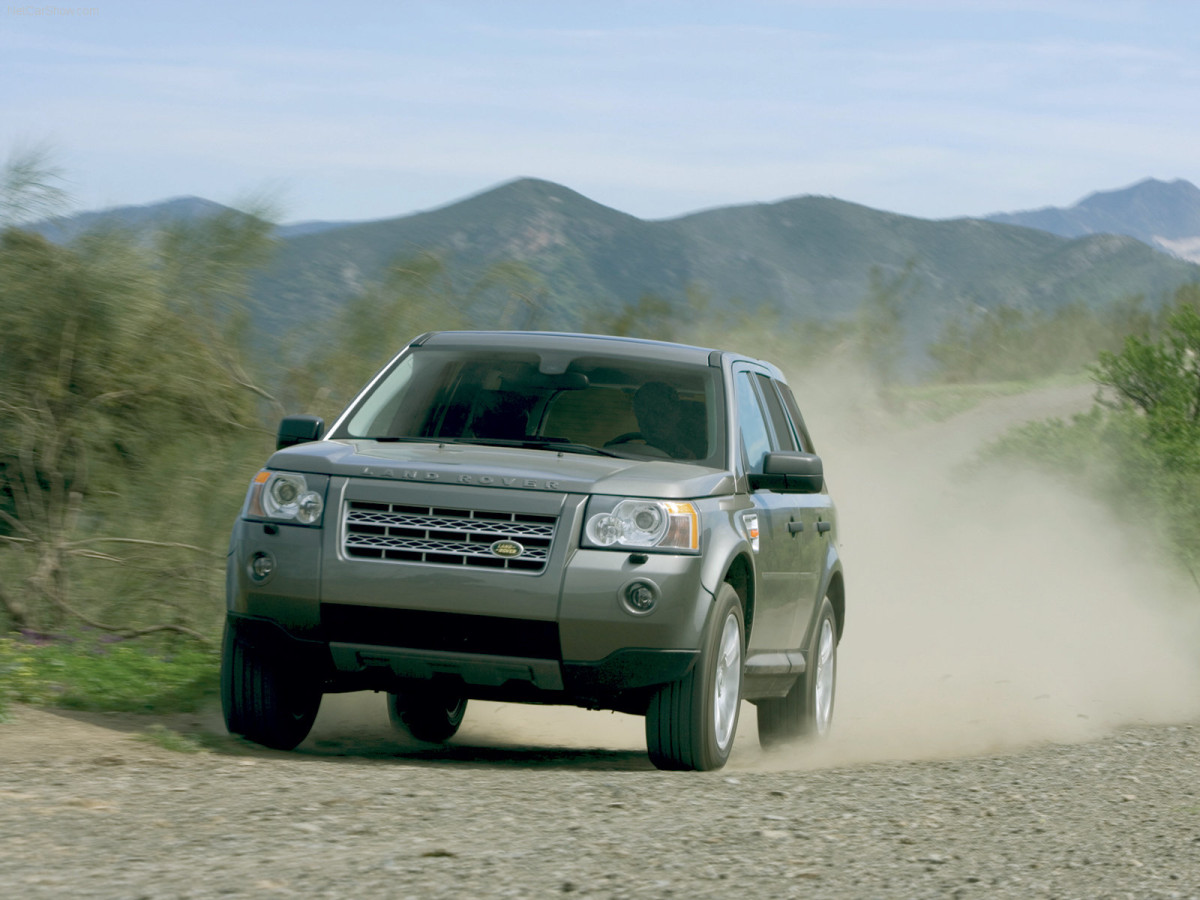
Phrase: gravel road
(100,814)
(1003,633)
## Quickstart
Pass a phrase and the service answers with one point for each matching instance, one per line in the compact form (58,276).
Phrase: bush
(1139,448)
(91,674)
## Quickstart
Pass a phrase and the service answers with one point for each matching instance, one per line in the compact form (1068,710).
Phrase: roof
(572,343)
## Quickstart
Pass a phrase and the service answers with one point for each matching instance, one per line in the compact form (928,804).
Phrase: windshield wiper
(572,447)
(396,439)
(548,443)
(561,444)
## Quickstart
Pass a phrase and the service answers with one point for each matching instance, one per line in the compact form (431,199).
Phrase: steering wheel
(626,438)
(649,450)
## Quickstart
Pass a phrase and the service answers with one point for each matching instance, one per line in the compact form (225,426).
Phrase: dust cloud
(984,613)
(992,611)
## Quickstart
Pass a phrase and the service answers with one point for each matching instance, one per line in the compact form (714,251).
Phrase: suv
(546,518)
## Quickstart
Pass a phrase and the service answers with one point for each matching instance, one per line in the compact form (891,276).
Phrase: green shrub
(85,673)
(1139,448)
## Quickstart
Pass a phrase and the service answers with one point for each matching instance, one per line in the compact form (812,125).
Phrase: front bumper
(559,635)
(620,681)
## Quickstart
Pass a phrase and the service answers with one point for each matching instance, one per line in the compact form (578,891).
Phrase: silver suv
(545,518)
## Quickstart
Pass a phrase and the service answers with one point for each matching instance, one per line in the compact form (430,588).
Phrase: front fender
(725,544)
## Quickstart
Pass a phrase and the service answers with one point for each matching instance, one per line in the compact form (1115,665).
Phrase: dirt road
(1018,716)
(101,814)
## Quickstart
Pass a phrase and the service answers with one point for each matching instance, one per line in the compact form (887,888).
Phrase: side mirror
(788,471)
(299,430)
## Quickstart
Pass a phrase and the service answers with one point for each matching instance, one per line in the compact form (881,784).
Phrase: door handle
(795,527)
(823,527)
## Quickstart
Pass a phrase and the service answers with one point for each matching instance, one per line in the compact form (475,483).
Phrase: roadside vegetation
(138,395)
(87,673)
(1139,447)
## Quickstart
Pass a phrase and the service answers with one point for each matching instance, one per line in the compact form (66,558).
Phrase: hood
(505,467)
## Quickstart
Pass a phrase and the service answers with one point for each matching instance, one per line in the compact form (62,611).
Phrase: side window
(756,440)
(789,401)
(785,438)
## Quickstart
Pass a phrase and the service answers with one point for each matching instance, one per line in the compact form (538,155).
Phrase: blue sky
(361,111)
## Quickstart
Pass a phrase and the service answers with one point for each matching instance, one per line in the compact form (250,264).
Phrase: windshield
(612,405)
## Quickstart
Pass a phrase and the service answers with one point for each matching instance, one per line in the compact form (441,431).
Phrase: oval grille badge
(507,549)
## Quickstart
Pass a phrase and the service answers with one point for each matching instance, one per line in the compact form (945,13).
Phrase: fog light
(262,566)
(639,597)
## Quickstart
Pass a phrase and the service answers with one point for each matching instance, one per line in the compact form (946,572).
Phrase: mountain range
(1163,214)
(807,257)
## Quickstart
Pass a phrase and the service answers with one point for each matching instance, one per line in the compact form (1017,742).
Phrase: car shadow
(481,755)
(357,734)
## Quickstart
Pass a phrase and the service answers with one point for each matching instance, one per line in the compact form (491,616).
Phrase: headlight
(287,497)
(642,525)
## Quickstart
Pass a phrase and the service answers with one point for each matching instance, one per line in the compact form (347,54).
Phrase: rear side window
(789,402)
(785,438)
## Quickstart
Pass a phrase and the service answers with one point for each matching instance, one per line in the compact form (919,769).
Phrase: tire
(265,699)
(691,723)
(807,710)
(433,717)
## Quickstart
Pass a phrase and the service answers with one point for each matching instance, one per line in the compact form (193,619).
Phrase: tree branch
(148,543)
(131,632)
(19,525)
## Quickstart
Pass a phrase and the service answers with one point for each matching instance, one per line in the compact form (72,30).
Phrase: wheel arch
(740,575)
(836,592)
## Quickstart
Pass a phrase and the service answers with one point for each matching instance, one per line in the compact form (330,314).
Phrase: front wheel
(265,698)
(807,710)
(433,717)
(690,723)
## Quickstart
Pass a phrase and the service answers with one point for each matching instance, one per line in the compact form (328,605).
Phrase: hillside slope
(809,257)
(806,258)
(1159,213)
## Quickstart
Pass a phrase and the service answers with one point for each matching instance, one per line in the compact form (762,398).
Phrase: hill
(151,216)
(1159,213)
(147,217)
(808,257)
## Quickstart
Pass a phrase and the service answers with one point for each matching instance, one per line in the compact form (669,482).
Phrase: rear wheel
(265,698)
(690,723)
(807,710)
(433,717)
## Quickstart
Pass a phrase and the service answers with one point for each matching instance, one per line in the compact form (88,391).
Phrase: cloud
(927,108)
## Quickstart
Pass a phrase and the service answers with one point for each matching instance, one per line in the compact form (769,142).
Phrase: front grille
(396,532)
